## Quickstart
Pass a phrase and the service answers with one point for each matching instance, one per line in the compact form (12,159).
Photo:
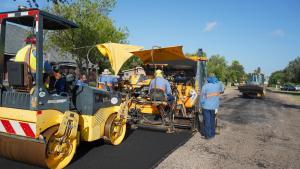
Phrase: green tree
(277,77)
(132,63)
(217,64)
(292,71)
(236,72)
(94,27)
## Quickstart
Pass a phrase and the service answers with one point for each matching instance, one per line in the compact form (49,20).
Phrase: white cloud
(210,26)
(278,33)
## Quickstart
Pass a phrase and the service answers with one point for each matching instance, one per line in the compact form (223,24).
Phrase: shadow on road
(291,106)
(246,110)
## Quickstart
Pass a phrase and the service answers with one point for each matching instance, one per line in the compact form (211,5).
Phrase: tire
(55,160)
(113,132)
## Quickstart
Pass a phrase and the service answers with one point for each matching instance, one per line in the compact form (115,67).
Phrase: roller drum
(23,149)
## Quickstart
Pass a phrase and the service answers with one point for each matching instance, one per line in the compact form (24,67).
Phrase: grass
(284,92)
(297,97)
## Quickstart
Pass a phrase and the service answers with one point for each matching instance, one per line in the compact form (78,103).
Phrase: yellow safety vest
(23,56)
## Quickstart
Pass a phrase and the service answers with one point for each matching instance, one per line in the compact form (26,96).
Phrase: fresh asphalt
(141,149)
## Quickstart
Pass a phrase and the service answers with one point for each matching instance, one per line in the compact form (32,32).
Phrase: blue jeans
(209,123)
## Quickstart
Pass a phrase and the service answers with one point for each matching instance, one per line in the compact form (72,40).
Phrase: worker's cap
(106,72)
(56,69)
(158,73)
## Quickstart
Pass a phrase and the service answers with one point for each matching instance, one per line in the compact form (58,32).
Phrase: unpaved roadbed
(256,133)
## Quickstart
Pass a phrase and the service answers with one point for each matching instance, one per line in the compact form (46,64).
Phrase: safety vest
(212,94)
(27,55)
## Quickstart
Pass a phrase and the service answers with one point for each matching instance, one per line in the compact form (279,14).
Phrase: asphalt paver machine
(44,129)
(150,109)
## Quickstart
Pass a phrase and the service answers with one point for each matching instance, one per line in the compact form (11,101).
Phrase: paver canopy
(117,53)
(161,54)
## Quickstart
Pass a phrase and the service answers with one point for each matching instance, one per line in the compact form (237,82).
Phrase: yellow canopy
(161,54)
(117,53)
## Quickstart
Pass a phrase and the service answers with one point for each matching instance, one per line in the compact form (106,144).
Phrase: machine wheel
(200,121)
(114,130)
(59,154)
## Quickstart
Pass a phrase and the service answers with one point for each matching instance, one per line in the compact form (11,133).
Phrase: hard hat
(158,73)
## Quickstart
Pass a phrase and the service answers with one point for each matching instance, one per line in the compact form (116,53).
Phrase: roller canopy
(27,18)
(117,54)
(161,54)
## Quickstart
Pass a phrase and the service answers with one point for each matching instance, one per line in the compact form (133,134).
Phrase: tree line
(233,73)
(290,74)
(96,27)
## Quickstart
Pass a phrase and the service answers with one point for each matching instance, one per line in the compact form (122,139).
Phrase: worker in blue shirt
(60,81)
(108,79)
(82,81)
(210,101)
(160,83)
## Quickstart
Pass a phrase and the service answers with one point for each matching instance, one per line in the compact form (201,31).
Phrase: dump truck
(41,128)
(254,86)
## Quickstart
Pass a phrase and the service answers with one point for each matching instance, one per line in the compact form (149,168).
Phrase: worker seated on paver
(160,85)
(107,81)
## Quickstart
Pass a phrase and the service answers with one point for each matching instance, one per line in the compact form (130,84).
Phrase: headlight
(114,100)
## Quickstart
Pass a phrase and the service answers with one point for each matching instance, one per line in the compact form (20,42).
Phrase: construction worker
(82,81)
(160,83)
(28,55)
(135,77)
(107,79)
(210,100)
(60,81)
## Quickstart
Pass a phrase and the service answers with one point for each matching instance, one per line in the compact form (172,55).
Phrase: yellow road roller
(43,128)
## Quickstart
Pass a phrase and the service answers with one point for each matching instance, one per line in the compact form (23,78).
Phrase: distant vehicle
(234,84)
(288,87)
(297,87)
(254,86)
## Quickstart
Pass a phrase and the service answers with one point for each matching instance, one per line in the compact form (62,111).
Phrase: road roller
(42,128)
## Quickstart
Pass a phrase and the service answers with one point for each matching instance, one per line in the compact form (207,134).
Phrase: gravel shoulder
(255,133)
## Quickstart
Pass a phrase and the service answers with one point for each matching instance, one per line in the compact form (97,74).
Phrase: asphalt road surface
(255,134)
(140,149)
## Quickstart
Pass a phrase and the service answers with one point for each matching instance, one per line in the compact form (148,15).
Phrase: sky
(257,33)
